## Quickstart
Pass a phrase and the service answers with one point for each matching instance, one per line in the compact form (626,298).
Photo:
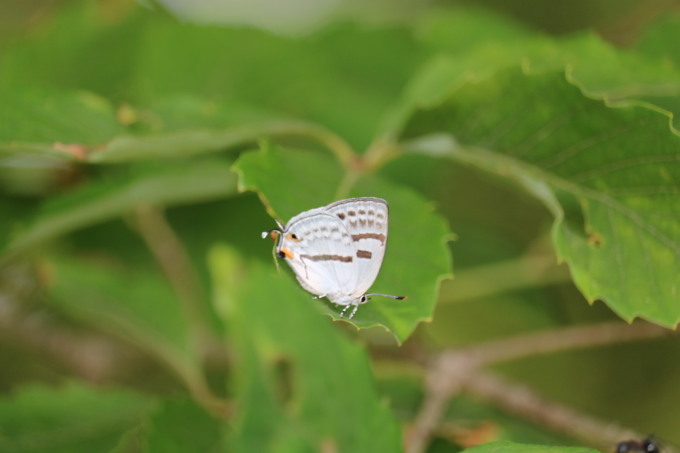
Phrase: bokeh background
(308,59)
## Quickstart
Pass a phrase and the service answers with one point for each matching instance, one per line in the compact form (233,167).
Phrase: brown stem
(456,369)
(176,265)
(565,339)
(521,400)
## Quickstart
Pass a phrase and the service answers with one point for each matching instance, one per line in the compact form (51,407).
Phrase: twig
(454,370)
(176,265)
(518,399)
(333,142)
(565,339)
(525,272)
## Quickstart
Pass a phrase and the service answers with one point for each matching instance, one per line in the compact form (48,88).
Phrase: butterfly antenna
(387,295)
(276,262)
(274,233)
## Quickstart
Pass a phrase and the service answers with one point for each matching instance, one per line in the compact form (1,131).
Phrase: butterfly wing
(366,220)
(320,251)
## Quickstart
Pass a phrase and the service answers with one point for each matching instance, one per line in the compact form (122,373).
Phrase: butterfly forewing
(366,220)
(320,250)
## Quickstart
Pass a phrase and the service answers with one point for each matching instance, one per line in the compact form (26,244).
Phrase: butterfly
(336,251)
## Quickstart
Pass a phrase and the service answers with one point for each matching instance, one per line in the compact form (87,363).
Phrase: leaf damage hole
(595,239)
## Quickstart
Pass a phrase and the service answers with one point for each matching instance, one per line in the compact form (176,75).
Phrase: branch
(456,370)
(565,339)
(521,400)
(509,275)
(176,265)
(174,260)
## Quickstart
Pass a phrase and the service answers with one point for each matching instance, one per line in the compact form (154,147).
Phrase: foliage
(140,159)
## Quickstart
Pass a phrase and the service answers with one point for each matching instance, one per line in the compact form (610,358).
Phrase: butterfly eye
(293,237)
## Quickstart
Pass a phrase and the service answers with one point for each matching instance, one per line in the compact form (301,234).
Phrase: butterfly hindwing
(366,220)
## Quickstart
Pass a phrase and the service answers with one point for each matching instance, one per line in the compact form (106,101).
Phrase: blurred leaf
(457,30)
(55,117)
(342,69)
(319,78)
(291,181)
(181,426)
(511,447)
(659,40)
(79,46)
(619,164)
(188,142)
(181,112)
(302,385)
(134,304)
(99,201)
(67,419)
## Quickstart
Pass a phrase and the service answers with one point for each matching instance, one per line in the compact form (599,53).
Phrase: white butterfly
(336,251)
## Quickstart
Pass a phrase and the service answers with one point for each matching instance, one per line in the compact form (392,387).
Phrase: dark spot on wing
(358,237)
(342,259)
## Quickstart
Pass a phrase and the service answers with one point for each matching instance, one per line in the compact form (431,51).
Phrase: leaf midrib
(499,163)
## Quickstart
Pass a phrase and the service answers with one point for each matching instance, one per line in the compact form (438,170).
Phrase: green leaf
(134,304)
(458,30)
(619,164)
(54,55)
(188,142)
(601,71)
(313,72)
(623,78)
(301,386)
(68,418)
(659,39)
(349,68)
(99,201)
(291,181)
(56,117)
(511,447)
(180,426)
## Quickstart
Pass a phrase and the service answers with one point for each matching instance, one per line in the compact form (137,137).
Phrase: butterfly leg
(342,313)
(354,310)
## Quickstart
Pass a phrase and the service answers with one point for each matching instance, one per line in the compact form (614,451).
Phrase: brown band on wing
(341,216)
(378,236)
(364,254)
(342,259)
